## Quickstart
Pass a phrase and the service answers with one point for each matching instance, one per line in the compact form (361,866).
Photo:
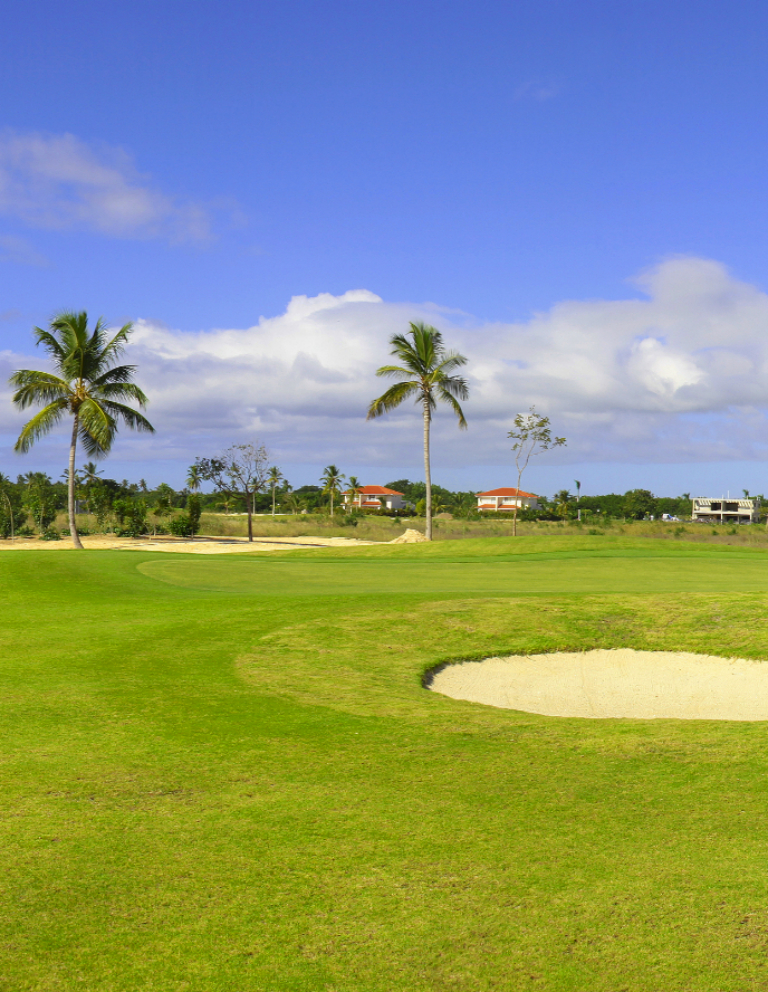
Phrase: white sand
(623,683)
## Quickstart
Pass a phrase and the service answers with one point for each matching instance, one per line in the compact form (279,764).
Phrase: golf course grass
(225,774)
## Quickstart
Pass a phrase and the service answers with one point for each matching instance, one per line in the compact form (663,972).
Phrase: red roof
(508,492)
(374,491)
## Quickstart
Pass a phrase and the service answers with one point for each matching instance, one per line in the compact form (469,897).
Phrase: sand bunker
(642,685)
(192,545)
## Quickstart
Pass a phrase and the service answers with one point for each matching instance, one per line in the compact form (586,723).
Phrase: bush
(50,534)
(182,526)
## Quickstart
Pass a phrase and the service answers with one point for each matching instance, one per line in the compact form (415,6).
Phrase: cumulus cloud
(675,373)
(57,181)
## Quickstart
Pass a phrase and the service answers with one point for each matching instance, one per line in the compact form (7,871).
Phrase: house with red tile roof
(374,498)
(506,499)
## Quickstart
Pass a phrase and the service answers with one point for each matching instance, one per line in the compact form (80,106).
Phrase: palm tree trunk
(249,503)
(331,502)
(427,472)
(71,487)
(273,500)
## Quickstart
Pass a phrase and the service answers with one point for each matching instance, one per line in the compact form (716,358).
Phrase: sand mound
(409,537)
(623,683)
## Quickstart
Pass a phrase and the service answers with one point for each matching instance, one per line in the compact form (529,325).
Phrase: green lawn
(224,774)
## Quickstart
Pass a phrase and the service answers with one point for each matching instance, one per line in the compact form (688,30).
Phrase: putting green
(586,572)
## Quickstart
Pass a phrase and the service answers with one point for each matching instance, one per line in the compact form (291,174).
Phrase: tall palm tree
(426,371)
(332,480)
(274,478)
(87,384)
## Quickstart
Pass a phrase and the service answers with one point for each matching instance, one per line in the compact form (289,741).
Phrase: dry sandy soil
(196,546)
(622,683)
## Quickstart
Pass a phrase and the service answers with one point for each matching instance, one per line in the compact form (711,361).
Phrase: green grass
(224,774)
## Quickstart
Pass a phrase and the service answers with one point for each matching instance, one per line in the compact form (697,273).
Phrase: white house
(507,499)
(725,510)
(374,498)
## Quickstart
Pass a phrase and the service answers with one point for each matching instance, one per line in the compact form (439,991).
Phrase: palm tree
(333,480)
(563,500)
(91,473)
(354,489)
(226,503)
(274,478)
(426,372)
(194,478)
(87,384)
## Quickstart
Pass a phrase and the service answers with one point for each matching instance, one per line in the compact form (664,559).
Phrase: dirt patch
(410,537)
(642,685)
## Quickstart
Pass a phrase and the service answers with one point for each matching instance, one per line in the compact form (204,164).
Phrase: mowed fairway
(224,774)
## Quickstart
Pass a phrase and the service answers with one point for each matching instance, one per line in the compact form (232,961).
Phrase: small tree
(274,478)
(531,433)
(354,489)
(563,501)
(638,503)
(163,505)
(240,471)
(10,508)
(40,501)
(332,482)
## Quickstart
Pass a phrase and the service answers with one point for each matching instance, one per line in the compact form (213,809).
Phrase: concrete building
(725,510)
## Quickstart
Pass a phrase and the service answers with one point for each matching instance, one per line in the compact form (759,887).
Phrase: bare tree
(240,471)
(531,433)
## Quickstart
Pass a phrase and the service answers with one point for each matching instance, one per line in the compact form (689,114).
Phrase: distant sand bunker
(643,685)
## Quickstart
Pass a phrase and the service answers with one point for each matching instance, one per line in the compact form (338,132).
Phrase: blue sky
(501,169)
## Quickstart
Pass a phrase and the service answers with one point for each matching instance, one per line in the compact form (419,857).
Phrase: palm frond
(454,385)
(119,373)
(131,418)
(390,370)
(393,397)
(453,404)
(117,391)
(49,342)
(116,346)
(40,425)
(37,387)
(96,427)
(451,360)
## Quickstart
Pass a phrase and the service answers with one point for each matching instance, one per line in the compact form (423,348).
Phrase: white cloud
(679,375)
(59,182)
(20,251)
